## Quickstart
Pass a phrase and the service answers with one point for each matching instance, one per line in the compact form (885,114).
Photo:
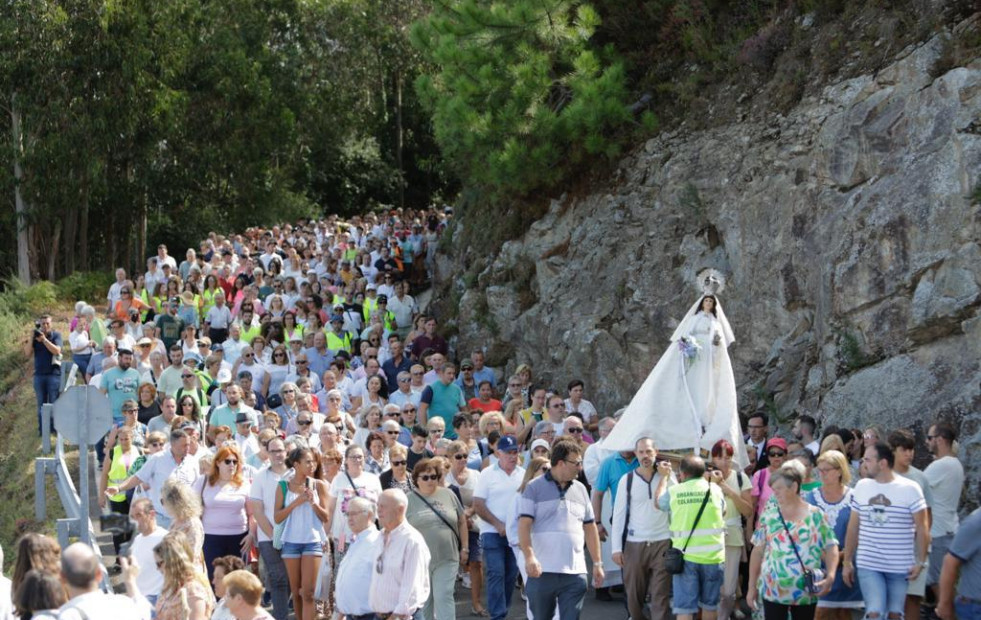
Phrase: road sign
(72,424)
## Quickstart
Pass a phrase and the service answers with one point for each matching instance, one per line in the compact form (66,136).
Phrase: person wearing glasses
(352,481)
(354,574)
(436,512)
(276,371)
(226,516)
(555,523)
(397,475)
(301,505)
(776,454)
(400,584)
(262,498)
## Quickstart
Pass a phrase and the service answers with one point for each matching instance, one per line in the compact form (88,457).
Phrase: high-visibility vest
(707,544)
(369,307)
(335,343)
(249,333)
(118,471)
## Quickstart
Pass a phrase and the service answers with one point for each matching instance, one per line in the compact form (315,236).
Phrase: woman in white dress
(688,402)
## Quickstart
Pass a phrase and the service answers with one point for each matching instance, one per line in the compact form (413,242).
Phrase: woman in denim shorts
(303,511)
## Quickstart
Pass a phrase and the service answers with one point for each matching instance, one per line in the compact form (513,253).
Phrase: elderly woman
(184,506)
(371,419)
(834,498)
(352,481)
(186,595)
(81,344)
(441,519)
(222,567)
(243,596)
(229,528)
(397,476)
(436,427)
(464,479)
(792,538)
(330,461)
(376,460)
(337,416)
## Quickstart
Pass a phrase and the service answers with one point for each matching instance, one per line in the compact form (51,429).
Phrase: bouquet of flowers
(689,348)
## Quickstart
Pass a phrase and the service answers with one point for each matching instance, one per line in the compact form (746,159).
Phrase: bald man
(81,573)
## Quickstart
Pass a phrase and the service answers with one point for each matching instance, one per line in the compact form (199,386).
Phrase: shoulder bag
(674,558)
(277,537)
(810,577)
(441,518)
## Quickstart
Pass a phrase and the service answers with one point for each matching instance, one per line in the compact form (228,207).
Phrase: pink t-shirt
(224,507)
(761,489)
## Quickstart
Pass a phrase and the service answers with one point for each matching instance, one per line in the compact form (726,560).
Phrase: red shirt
(491,405)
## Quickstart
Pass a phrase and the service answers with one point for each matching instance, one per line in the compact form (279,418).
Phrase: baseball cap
(336,318)
(124,351)
(466,364)
(507,444)
(225,376)
(540,443)
(383,299)
(777,442)
(242,417)
(217,347)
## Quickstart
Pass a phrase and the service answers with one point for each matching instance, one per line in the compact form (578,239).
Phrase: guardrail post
(47,412)
(40,505)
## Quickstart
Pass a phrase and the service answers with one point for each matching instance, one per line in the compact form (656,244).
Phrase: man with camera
(696,559)
(47,364)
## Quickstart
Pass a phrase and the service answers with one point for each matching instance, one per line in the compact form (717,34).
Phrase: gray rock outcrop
(849,230)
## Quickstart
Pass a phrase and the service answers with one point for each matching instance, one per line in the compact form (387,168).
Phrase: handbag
(441,518)
(277,537)
(674,558)
(810,577)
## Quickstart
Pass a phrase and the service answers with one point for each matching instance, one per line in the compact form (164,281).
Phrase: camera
(115,523)
(811,579)
(37,329)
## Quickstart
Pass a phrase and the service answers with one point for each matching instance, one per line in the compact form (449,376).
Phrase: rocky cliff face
(849,230)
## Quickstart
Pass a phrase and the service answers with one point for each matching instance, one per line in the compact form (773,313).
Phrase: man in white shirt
(169,380)
(492,497)
(641,536)
(400,585)
(150,580)
(262,498)
(804,428)
(116,287)
(81,574)
(218,320)
(946,477)
(355,572)
(233,346)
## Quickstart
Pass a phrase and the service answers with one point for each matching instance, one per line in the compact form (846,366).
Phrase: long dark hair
(715,304)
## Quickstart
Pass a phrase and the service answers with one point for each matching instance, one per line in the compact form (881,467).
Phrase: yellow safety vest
(707,544)
(369,307)
(336,343)
(249,334)
(118,470)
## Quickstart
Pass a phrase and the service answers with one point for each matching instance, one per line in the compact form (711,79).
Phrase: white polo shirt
(497,489)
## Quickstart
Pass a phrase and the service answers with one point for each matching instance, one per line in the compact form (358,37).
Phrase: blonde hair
(832,442)
(457,447)
(534,466)
(244,583)
(837,460)
(485,419)
(176,563)
(180,500)
(397,450)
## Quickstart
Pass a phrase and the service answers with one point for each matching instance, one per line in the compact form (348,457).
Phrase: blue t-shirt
(611,470)
(43,359)
(120,385)
(445,402)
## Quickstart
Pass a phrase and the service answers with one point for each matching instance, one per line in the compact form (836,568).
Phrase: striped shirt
(559,515)
(886,530)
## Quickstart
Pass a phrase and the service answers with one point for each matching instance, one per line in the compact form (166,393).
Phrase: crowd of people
(292,433)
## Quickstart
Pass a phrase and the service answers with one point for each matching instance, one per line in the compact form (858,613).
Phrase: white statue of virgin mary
(688,402)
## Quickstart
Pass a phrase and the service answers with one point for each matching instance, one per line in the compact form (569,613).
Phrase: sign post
(83,415)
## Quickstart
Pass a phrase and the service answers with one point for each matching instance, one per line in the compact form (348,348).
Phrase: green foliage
(86,286)
(19,300)
(521,95)
(850,352)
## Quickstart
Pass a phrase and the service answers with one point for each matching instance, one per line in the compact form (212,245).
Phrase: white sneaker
(466,581)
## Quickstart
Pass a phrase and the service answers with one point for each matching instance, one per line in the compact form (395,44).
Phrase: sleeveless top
(302,525)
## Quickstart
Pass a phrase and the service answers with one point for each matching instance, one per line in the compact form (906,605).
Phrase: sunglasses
(410,410)
(575,429)
(302,363)
(428,477)
(186,376)
(776,453)
(399,463)
(403,380)
(304,422)
(230,461)
(460,457)
(392,432)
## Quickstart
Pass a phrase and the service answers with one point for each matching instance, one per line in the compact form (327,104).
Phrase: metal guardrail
(76,523)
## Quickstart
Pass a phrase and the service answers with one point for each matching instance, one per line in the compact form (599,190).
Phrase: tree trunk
(83,254)
(20,207)
(71,235)
(399,135)
(53,251)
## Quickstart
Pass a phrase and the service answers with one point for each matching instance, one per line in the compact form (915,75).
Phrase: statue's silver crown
(710,281)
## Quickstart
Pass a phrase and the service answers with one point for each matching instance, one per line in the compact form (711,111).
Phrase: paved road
(592,609)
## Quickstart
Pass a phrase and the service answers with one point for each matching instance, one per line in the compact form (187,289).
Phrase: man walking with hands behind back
(555,521)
